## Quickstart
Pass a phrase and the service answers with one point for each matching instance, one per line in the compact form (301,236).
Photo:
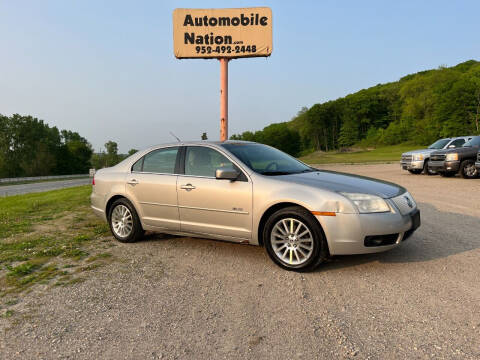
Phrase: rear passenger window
(161,161)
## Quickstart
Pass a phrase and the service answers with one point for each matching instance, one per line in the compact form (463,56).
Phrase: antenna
(171,133)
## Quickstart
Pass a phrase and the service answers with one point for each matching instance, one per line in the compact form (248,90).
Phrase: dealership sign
(222,33)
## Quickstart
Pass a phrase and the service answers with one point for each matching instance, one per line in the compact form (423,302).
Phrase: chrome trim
(157,204)
(196,208)
(152,173)
(217,210)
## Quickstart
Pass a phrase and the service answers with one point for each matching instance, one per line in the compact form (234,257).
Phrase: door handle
(132,182)
(187,187)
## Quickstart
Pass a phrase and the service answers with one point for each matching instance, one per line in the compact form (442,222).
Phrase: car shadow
(441,234)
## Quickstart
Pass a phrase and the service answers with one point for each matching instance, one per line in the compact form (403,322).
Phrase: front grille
(437,157)
(406,158)
(478,156)
(405,203)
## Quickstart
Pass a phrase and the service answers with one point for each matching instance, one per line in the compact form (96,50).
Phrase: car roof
(201,142)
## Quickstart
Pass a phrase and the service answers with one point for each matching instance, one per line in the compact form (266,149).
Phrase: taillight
(93,180)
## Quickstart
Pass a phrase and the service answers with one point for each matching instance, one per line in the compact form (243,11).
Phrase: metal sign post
(223,99)
(222,34)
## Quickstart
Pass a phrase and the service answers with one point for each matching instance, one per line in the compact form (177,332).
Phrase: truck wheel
(468,169)
(427,170)
(415,171)
(447,174)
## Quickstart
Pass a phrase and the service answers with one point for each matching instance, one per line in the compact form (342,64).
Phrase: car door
(152,185)
(219,208)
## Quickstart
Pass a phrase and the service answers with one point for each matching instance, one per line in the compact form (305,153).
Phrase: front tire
(468,169)
(447,174)
(427,170)
(294,240)
(415,171)
(124,221)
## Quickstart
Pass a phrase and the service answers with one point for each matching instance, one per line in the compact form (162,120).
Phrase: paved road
(184,298)
(10,190)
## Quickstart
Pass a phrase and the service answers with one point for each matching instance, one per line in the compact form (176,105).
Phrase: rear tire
(294,240)
(468,169)
(124,222)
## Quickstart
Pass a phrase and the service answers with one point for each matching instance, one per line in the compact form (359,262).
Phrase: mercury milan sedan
(255,194)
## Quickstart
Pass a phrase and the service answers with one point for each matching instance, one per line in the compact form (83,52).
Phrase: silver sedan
(252,193)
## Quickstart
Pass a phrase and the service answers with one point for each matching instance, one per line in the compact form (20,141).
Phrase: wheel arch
(112,199)
(278,206)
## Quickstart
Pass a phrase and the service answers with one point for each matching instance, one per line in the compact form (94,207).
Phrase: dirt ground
(184,298)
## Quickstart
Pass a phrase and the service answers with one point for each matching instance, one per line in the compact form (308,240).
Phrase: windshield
(473,142)
(439,144)
(266,160)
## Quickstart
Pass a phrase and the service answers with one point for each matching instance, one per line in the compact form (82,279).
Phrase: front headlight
(417,157)
(367,203)
(451,157)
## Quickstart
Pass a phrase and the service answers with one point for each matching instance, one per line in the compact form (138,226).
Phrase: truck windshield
(266,160)
(473,142)
(439,144)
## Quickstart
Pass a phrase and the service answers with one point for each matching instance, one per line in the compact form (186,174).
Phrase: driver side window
(203,161)
(456,143)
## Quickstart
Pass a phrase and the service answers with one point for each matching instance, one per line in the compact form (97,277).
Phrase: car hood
(341,182)
(460,150)
(421,151)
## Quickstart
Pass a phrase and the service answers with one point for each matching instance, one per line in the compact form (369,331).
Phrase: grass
(40,181)
(49,238)
(379,154)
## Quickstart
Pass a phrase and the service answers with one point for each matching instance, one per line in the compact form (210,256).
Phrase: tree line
(419,108)
(29,147)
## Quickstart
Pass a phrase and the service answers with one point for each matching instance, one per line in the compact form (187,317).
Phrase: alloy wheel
(292,241)
(122,221)
(470,170)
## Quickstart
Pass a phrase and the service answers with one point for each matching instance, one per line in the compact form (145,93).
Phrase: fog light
(380,240)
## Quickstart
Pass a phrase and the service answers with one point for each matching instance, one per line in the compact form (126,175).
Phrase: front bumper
(411,165)
(444,166)
(346,233)
(477,164)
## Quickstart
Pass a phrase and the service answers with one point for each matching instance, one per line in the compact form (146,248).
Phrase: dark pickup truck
(477,163)
(460,160)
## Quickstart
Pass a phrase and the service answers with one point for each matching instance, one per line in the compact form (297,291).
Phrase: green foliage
(278,135)
(418,109)
(109,158)
(29,147)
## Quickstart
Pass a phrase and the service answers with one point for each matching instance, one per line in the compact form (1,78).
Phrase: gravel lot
(187,298)
(10,190)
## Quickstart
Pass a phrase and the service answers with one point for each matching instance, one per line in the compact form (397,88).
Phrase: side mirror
(227,173)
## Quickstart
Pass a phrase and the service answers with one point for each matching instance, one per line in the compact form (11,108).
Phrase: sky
(106,69)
